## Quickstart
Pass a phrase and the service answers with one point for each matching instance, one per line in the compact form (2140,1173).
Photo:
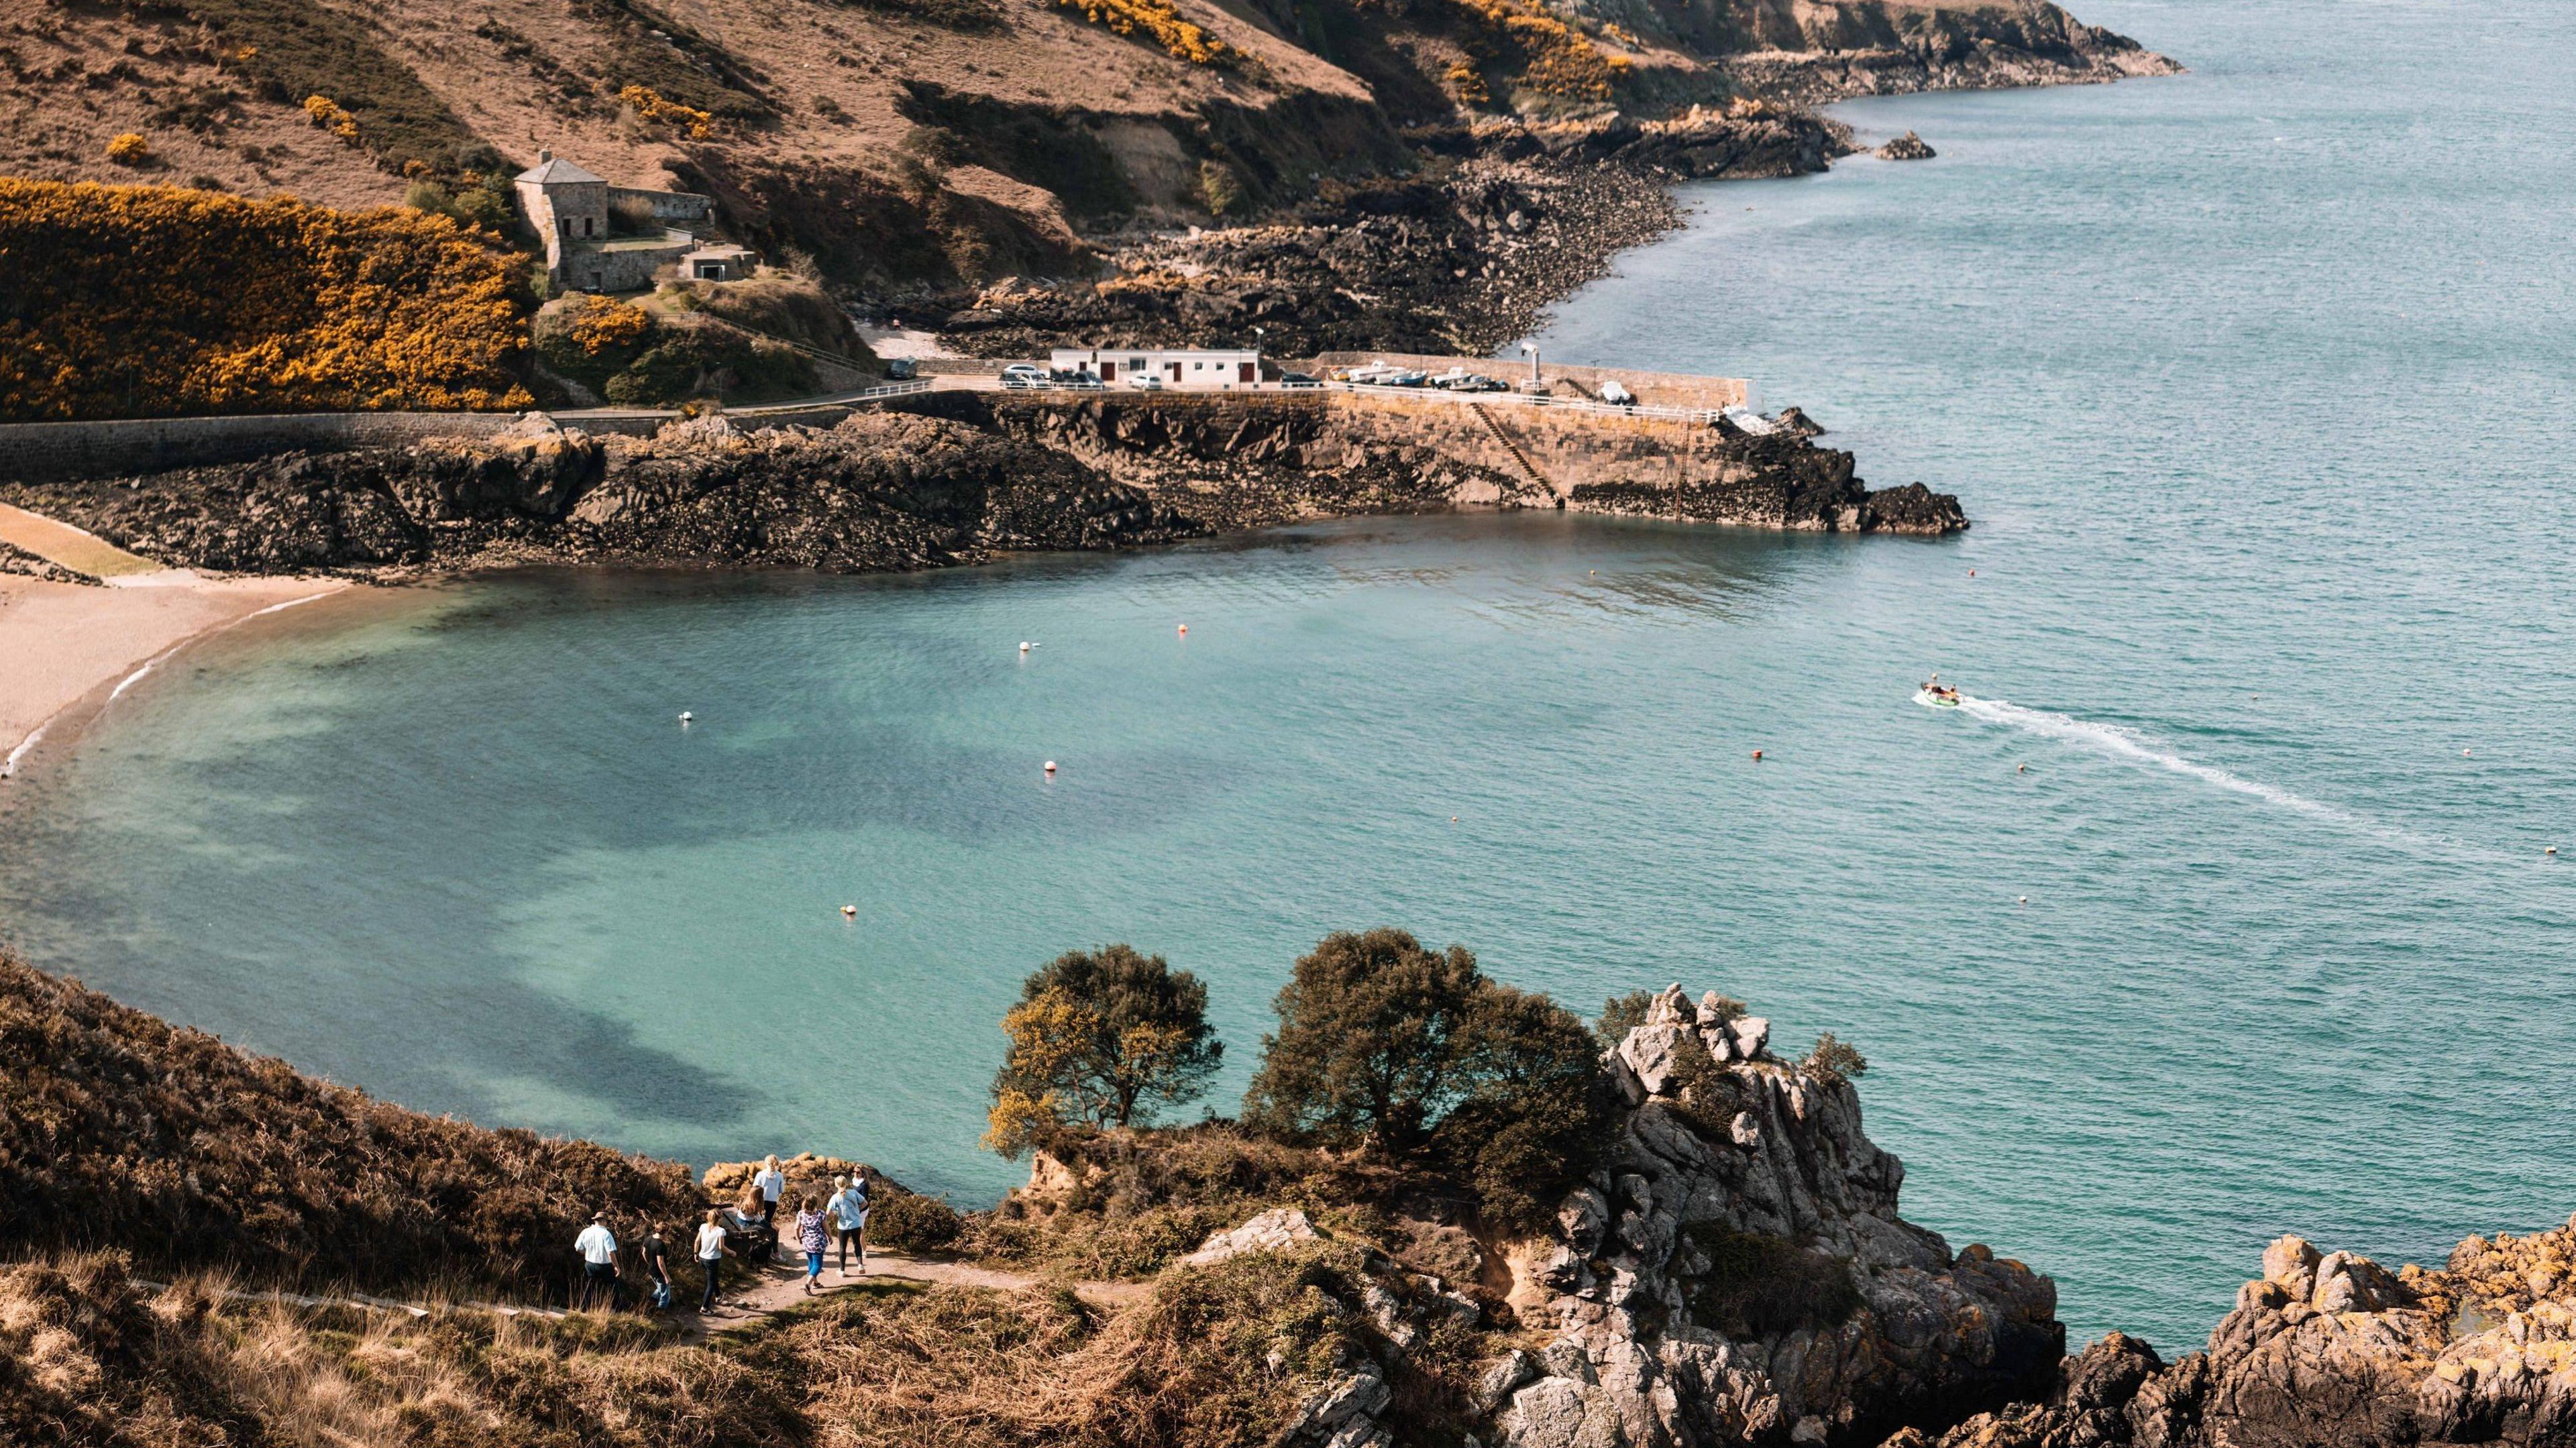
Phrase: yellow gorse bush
(649,104)
(605,324)
(1178,37)
(129,149)
(327,114)
(1558,60)
(145,301)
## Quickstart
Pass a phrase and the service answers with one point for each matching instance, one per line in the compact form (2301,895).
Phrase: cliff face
(1737,1272)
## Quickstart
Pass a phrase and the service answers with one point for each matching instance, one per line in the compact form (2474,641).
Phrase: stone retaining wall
(52,451)
(44,451)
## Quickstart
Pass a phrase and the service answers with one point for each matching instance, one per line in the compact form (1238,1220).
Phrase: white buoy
(686,716)
(1050,768)
(2021,769)
(2025,899)
(2464,754)
(2553,849)
(850,912)
(1024,646)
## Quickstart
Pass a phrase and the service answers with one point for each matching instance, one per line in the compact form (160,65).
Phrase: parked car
(1075,378)
(1022,374)
(1144,381)
(1616,395)
(1298,379)
(1405,378)
(900,369)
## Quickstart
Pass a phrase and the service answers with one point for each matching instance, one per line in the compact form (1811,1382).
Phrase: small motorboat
(1937,695)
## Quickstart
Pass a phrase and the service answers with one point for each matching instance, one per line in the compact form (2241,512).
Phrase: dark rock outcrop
(1835,51)
(1778,480)
(1908,147)
(2333,1351)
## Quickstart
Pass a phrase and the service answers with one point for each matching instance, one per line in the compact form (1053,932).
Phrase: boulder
(1653,1052)
(1751,1034)
(1269,1232)
(1908,147)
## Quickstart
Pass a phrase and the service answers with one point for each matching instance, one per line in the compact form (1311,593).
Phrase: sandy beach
(61,643)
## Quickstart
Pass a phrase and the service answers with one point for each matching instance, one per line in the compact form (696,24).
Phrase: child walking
(810,1237)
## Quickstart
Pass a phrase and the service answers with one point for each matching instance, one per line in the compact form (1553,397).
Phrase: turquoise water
(2257,384)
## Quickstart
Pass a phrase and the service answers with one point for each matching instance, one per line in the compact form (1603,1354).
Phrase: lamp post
(1532,349)
(1258,335)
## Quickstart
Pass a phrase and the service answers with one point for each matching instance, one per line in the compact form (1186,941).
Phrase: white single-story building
(1176,368)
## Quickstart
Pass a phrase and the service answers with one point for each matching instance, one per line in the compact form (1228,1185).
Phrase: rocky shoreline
(1506,218)
(943,479)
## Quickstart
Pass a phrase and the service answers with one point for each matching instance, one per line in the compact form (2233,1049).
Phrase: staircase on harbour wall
(1528,469)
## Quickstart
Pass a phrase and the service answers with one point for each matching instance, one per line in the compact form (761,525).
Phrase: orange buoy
(1972,573)
(1185,630)
(1757,754)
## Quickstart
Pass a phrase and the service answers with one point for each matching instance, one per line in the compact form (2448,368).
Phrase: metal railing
(1703,415)
(1706,416)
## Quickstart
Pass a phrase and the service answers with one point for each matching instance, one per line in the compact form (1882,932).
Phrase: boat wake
(2127,744)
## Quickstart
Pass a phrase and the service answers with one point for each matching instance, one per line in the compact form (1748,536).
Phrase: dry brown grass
(92,1356)
(1128,1204)
(1216,1357)
(119,1131)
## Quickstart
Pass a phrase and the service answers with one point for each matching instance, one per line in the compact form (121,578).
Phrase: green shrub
(1758,1285)
(1219,191)
(1833,1062)
(1620,1015)
(911,1223)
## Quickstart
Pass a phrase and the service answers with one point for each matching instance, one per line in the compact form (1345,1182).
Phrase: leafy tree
(1536,1107)
(1415,1052)
(1363,1048)
(1100,1038)
(1620,1015)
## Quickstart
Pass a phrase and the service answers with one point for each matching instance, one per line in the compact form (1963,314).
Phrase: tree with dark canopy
(1363,1048)
(1415,1053)
(1100,1038)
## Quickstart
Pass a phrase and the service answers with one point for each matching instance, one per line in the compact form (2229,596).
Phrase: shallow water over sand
(2255,383)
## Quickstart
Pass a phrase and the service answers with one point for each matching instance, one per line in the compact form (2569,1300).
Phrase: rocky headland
(1730,1267)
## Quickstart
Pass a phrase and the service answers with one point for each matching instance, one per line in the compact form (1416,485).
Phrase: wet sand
(66,648)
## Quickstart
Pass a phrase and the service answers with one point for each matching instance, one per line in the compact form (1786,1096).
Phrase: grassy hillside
(899,141)
(120,1132)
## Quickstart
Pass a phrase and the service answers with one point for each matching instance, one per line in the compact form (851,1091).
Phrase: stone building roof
(551,168)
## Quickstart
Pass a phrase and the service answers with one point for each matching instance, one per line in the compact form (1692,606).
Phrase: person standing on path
(850,1212)
(810,1237)
(657,1267)
(598,1248)
(711,1239)
(772,1183)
